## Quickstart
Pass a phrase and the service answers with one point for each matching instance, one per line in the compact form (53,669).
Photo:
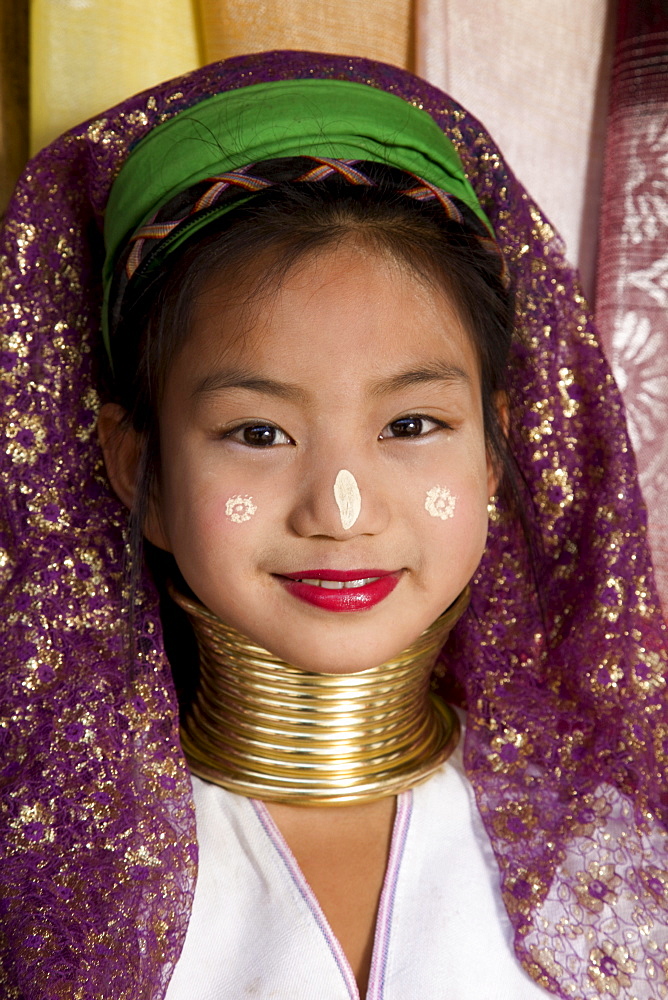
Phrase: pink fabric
(537,76)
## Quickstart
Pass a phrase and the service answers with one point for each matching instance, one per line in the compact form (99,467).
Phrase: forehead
(343,312)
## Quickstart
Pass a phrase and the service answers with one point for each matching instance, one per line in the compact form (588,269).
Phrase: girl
(307,307)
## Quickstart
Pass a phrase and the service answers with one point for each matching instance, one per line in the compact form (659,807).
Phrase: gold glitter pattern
(567,735)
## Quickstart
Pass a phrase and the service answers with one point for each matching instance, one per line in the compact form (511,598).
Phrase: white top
(257,930)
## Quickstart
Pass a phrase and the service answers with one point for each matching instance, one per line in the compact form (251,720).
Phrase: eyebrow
(239,379)
(235,378)
(435,371)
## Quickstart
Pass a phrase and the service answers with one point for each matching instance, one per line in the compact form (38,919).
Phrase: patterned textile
(632,294)
(567,734)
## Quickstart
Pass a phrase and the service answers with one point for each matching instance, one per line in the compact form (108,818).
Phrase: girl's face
(331,432)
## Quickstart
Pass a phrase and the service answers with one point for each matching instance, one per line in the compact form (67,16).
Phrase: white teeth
(339,584)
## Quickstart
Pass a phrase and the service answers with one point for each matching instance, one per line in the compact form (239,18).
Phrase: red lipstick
(370,587)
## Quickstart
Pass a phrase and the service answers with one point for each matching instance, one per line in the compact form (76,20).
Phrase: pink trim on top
(307,894)
(381,940)
(384,918)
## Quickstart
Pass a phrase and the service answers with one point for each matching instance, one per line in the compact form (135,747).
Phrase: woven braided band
(244,181)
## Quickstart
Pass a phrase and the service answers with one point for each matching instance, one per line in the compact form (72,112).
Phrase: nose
(339,503)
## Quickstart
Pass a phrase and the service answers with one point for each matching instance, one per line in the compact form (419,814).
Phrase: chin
(333,656)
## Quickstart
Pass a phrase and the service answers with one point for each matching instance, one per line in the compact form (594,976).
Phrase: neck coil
(263,728)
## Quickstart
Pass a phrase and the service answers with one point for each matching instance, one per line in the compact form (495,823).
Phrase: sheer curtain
(632,294)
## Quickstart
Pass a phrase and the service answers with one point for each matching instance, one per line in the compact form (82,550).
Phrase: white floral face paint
(440,502)
(347,496)
(239,508)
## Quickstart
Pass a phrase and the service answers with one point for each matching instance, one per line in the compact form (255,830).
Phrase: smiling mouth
(341,590)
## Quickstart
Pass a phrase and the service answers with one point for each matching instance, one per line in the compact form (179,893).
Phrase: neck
(263,728)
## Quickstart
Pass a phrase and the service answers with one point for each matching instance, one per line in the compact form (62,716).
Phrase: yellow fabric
(377,29)
(86,55)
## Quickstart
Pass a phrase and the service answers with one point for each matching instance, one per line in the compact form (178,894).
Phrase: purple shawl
(568,731)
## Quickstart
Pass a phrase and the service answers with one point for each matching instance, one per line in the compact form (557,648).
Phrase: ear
(122,447)
(494,471)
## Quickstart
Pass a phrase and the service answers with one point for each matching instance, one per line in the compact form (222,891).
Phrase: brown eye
(260,436)
(412,426)
(407,427)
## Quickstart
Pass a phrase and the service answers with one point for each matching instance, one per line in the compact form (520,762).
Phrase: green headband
(329,118)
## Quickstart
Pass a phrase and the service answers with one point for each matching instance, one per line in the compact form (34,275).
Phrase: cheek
(215,538)
(440,502)
(205,522)
(240,508)
(454,514)
(225,516)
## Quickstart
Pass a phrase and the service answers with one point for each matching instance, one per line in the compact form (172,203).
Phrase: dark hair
(262,239)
